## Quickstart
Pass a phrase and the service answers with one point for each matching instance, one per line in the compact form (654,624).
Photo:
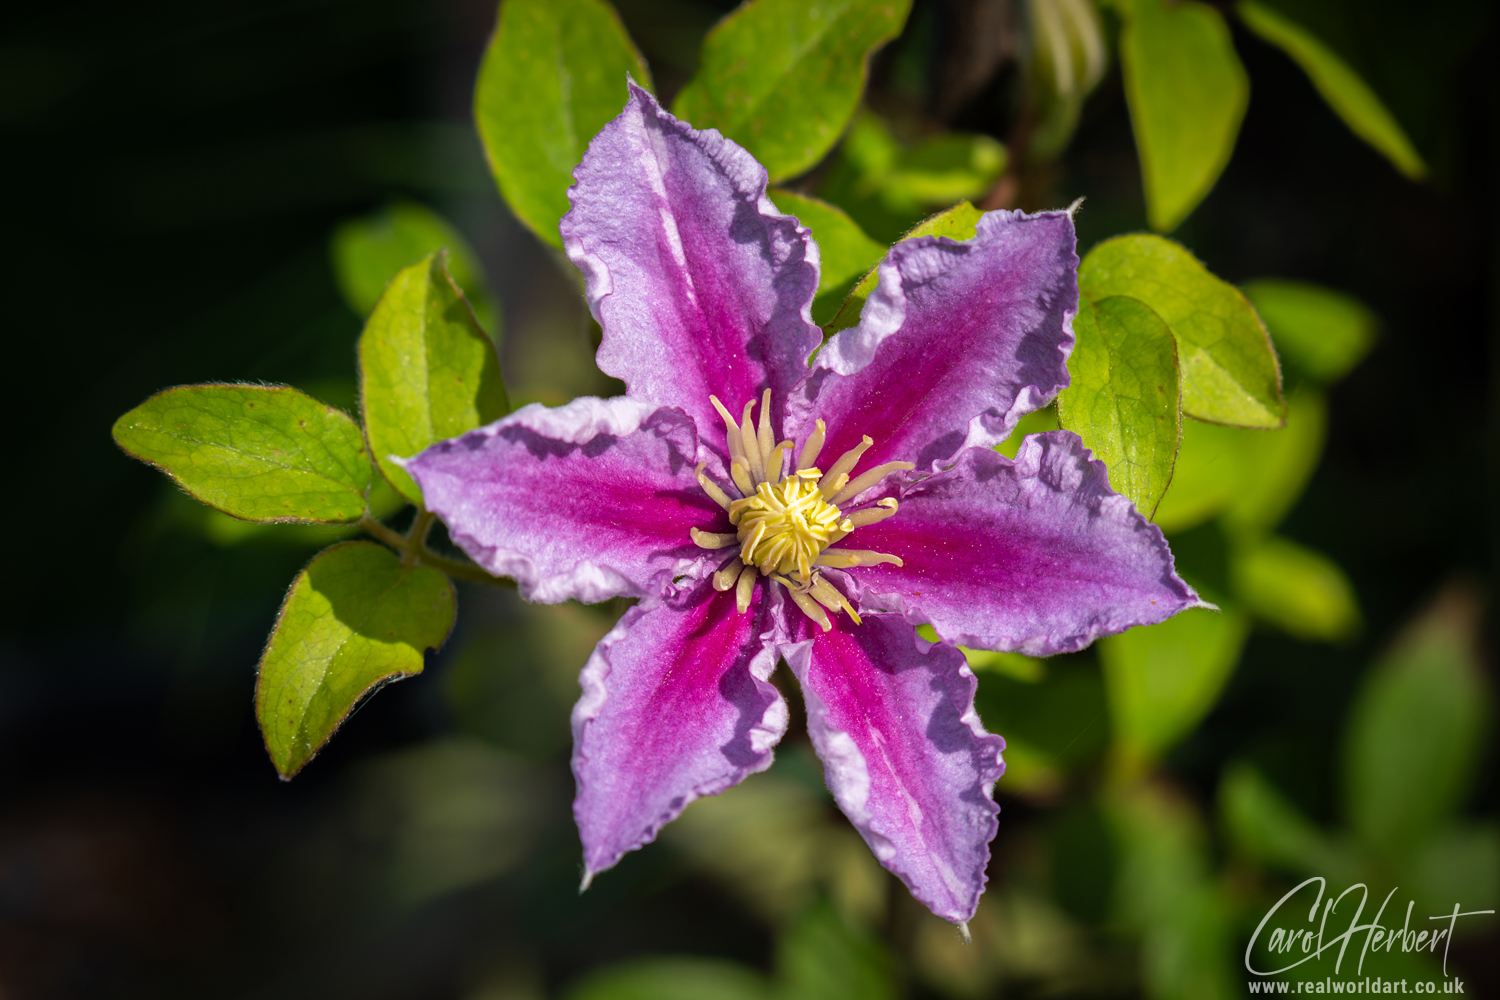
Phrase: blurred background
(189,188)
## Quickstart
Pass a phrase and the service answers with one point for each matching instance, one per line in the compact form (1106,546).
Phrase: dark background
(171,174)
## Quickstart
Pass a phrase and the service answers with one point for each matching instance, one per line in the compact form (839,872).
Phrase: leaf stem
(413,549)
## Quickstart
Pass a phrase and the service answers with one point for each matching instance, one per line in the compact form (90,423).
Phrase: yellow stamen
(847,461)
(731,430)
(808,457)
(872,515)
(740,473)
(710,487)
(711,540)
(752,446)
(765,437)
(811,609)
(725,576)
(845,558)
(868,479)
(744,589)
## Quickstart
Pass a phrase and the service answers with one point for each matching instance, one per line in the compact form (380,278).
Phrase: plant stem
(412,547)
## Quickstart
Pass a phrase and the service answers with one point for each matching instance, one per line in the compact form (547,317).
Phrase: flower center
(785,522)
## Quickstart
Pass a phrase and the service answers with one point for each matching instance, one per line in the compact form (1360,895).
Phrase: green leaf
(783,77)
(368,251)
(262,453)
(1349,96)
(553,76)
(1416,730)
(354,618)
(1163,679)
(821,957)
(1187,94)
(1317,330)
(957,223)
(1014,665)
(1123,398)
(673,979)
(844,249)
(1264,825)
(1301,592)
(426,370)
(1210,467)
(1276,466)
(1229,371)
(1036,422)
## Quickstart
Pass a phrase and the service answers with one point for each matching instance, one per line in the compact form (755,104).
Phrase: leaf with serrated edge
(553,76)
(783,77)
(1122,399)
(261,453)
(1187,93)
(1229,371)
(354,618)
(1348,95)
(957,223)
(427,371)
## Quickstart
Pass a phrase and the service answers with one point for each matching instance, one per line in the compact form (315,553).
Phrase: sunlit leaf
(262,453)
(1016,665)
(822,957)
(1123,397)
(783,77)
(1229,371)
(1264,825)
(674,979)
(1301,592)
(427,371)
(1187,94)
(845,251)
(1276,465)
(1416,729)
(553,76)
(957,223)
(1163,679)
(1036,422)
(1317,330)
(1210,467)
(354,618)
(1348,95)
(368,251)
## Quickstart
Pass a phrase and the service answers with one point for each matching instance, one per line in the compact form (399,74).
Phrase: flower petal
(675,706)
(700,285)
(956,344)
(588,501)
(1037,555)
(904,754)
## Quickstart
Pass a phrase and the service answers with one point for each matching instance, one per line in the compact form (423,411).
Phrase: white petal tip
(963,932)
(398,460)
(588,880)
(1205,605)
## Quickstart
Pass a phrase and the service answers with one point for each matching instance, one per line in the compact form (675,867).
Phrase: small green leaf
(427,371)
(1267,827)
(553,76)
(1123,400)
(1187,94)
(1416,730)
(1036,422)
(368,251)
(1301,592)
(262,453)
(822,957)
(1229,371)
(957,223)
(1210,467)
(354,618)
(844,249)
(1317,330)
(1277,465)
(1349,96)
(783,77)
(1163,679)
(673,979)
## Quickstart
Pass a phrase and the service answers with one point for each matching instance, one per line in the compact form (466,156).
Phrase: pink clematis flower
(764,510)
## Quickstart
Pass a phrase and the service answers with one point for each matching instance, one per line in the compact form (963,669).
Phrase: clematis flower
(763,510)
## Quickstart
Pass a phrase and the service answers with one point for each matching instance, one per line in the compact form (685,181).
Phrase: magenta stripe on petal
(904,754)
(700,285)
(588,501)
(675,706)
(956,344)
(1039,555)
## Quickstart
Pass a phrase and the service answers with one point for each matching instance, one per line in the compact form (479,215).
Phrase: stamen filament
(711,540)
(872,515)
(845,558)
(739,471)
(830,598)
(752,446)
(732,436)
(868,479)
(834,482)
(808,457)
(810,608)
(847,461)
(766,439)
(744,588)
(727,574)
(774,461)
(710,487)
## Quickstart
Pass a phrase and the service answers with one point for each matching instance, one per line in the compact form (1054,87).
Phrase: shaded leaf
(552,76)
(1187,93)
(1264,825)
(427,371)
(262,453)
(368,251)
(673,979)
(1036,422)
(957,223)
(1210,467)
(822,957)
(783,77)
(1317,330)
(1229,371)
(1415,732)
(1123,396)
(1276,466)
(1016,665)
(1300,591)
(1348,95)
(354,618)
(1163,679)
(1458,864)
(843,248)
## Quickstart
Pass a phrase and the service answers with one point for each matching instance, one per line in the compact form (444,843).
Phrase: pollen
(786,520)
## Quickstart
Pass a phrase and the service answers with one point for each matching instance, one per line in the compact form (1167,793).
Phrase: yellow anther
(808,457)
(727,574)
(744,588)
(710,539)
(710,487)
